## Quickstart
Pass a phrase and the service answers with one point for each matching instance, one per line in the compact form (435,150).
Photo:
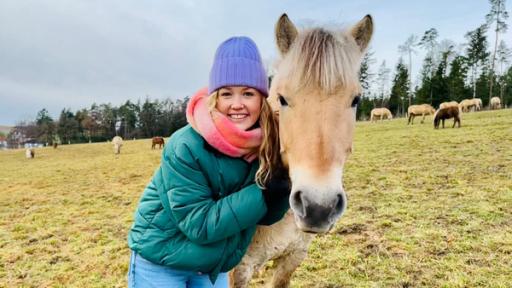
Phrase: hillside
(427,208)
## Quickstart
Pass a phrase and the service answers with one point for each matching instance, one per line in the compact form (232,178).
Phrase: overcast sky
(70,54)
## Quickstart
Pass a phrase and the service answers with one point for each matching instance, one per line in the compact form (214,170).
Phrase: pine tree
(46,126)
(399,90)
(457,89)
(477,55)
(439,82)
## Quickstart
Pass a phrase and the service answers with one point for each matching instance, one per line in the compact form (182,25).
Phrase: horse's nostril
(297,203)
(340,203)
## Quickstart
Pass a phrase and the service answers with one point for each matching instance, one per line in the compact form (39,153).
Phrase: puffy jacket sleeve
(200,217)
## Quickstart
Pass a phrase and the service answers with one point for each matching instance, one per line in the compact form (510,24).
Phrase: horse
(381,113)
(55,145)
(315,93)
(478,102)
(467,104)
(417,110)
(448,104)
(447,113)
(157,141)
(495,103)
(30,153)
(118,142)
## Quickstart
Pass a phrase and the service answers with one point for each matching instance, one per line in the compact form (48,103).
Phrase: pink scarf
(219,131)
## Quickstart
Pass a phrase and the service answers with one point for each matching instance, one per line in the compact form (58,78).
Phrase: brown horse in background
(447,113)
(157,141)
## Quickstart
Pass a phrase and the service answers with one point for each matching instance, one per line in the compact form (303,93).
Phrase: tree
(408,49)
(457,89)
(424,92)
(476,52)
(67,127)
(429,42)
(382,81)
(497,16)
(365,74)
(503,55)
(507,87)
(129,114)
(149,114)
(46,126)
(399,90)
(440,90)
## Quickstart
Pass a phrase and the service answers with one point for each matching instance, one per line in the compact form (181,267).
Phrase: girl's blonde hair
(269,148)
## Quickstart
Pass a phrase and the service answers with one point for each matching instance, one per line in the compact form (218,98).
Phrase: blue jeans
(145,274)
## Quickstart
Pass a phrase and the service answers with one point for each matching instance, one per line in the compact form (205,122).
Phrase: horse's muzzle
(317,216)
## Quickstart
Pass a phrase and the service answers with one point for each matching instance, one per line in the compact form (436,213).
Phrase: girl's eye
(282,100)
(356,101)
(225,94)
(249,94)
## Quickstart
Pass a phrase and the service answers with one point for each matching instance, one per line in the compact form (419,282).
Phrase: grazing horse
(157,141)
(495,103)
(29,153)
(467,104)
(315,92)
(118,142)
(380,113)
(417,110)
(448,104)
(478,103)
(447,113)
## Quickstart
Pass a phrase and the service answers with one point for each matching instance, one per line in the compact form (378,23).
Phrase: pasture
(427,208)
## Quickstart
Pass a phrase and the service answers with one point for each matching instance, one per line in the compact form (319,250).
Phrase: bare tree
(503,55)
(408,49)
(382,80)
(497,16)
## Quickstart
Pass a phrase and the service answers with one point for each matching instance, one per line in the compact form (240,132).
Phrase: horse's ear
(362,32)
(285,34)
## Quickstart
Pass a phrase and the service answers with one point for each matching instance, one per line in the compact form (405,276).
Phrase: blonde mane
(323,60)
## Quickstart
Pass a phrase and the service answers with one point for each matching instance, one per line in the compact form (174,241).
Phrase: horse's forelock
(324,60)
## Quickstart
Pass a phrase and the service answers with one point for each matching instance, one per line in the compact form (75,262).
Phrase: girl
(198,214)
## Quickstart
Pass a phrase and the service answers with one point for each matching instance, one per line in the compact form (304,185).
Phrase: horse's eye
(282,101)
(356,101)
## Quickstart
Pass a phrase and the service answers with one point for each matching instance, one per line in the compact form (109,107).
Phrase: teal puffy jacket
(200,210)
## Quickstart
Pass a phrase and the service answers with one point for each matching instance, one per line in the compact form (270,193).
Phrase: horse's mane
(324,60)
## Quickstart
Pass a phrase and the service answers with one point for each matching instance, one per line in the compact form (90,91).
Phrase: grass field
(427,208)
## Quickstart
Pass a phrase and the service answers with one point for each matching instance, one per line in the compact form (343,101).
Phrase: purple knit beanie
(238,63)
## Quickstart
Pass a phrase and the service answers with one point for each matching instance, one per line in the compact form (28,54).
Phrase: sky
(73,53)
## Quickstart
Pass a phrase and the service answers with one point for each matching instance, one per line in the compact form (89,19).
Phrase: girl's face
(240,104)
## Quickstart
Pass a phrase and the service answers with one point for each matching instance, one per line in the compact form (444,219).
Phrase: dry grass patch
(427,208)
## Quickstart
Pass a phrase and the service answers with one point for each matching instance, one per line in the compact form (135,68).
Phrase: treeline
(102,122)
(449,71)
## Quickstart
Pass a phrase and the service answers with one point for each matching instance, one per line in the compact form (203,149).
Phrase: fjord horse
(118,142)
(315,91)
(419,110)
(495,103)
(380,113)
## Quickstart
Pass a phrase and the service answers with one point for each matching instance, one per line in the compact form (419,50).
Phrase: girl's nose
(237,103)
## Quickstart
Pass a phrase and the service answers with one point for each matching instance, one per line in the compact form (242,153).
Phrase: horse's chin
(317,228)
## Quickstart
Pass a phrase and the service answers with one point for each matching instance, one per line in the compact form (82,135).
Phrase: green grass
(427,208)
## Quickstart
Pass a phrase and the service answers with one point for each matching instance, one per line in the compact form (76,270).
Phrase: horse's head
(316,90)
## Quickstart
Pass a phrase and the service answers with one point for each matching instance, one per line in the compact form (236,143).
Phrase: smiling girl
(198,214)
